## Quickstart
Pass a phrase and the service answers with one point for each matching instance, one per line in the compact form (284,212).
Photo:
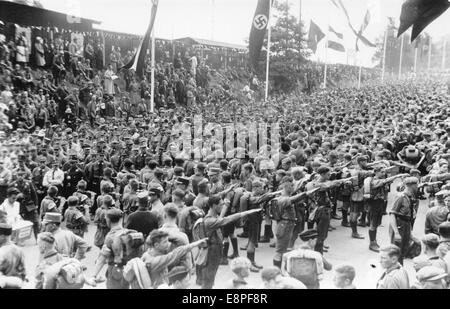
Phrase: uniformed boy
(402,215)
(12,261)
(209,259)
(76,221)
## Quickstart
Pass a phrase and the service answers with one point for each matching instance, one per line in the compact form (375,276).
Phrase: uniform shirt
(321,197)
(69,244)
(75,220)
(12,211)
(37,176)
(158,208)
(213,225)
(48,259)
(143,221)
(378,189)
(102,227)
(158,263)
(146,175)
(434,217)
(12,261)
(403,207)
(30,199)
(201,202)
(178,239)
(196,179)
(48,205)
(107,250)
(395,278)
(286,208)
(130,202)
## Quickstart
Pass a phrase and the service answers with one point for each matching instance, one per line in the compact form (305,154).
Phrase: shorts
(283,235)
(344,202)
(376,209)
(253,224)
(228,230)
(356,207)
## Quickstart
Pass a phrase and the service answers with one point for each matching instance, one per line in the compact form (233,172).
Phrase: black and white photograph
(232,145)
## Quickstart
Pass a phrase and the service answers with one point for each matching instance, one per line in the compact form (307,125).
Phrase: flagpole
(152,100)
(444,47)
(415,60)
(429,53)
(384,53)
(213,12)
(326,60)
(360,70)
(269,33)
(300,24)
(401,58)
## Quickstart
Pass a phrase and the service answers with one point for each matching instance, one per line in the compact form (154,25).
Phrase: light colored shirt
(53,178)
(395,278)
(12,211)
(69,244)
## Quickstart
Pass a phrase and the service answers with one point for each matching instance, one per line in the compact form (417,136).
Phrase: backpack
(304,270)
(274,210)
(414,249)
(366,188)
(235,203)
(127,245)
(199,231)
(70,276)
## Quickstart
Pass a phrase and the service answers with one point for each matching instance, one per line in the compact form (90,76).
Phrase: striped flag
(335,40)
(339,35)
(359,34)
(137,63)
(363,28)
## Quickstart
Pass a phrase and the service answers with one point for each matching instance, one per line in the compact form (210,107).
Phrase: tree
(288,49)
(393,47)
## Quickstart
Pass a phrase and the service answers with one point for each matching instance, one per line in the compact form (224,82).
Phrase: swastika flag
(259,26)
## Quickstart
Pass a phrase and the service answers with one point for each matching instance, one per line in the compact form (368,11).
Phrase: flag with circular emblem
(258,31)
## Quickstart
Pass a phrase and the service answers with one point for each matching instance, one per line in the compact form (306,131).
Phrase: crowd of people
(80,149)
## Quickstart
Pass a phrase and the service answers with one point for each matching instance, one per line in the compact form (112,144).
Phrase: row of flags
(335,39)
(417,14)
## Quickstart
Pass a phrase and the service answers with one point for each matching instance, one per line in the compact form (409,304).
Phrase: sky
(230,20)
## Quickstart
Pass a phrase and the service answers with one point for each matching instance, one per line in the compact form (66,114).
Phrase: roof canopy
(32,13)
(196,41)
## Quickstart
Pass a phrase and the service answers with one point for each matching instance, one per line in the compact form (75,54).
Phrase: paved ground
(343,249)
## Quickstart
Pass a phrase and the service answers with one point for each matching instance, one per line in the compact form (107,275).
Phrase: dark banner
(259,26)
(138,61)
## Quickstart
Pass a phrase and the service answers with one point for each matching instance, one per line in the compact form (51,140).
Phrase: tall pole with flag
(300,24)
(444,49)
(416,48)
(137,63)
(360,71)
(401,58)
(384,53)
(260,23)
(269,33)
(429,53)
(326,63)
(213,12)
(152,100)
